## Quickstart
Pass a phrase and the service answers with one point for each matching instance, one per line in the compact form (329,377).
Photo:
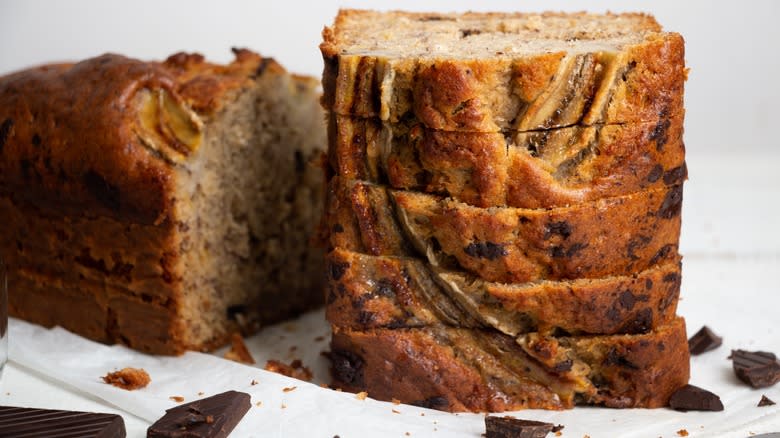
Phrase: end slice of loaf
(490,71)
(459,369)
(163,205)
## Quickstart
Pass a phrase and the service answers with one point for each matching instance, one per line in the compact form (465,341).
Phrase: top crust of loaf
(477,35)
(106,161)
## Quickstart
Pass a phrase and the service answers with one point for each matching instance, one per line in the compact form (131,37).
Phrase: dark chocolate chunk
(765,401)
(693,398)
(704,340)
(561,228)
(337,270)
(758,369)
(659,133)
(106,193)
(655,173)
(509,427)
(485,250)
(5,132)
(214,416)
(347,367)
(676,175)
(31,422)
(436,402)
(672,203)
(469,32)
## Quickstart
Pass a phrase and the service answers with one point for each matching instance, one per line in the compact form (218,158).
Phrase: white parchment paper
(739,299)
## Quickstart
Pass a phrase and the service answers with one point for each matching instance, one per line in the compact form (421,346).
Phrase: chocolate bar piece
(509,427)
(33,423)
(704,340)
(765,401)
(210,417)
(693,398)
(758,369)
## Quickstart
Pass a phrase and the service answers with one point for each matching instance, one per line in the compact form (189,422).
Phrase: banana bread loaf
(537,169)
(369,292)
(489,72)
(162,205)
(461,369)
(612,236)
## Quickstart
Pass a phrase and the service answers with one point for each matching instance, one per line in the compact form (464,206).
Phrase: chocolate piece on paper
(210,417)
(704,340)
(693,398)
(765,401)
(509,427)
(758,369)
(31,422)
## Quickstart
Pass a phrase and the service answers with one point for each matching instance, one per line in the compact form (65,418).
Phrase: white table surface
(731,245)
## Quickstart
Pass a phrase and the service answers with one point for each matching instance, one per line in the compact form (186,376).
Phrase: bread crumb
(284,406)
(289,389)
(296,370)
(238,351)
(408,434)
(394,411)
(258,404)
(253,382)
(201,392)
(361,395)
(682,432)
(128,378)
(559,433)
(396,401)
(422,414)
(177,398)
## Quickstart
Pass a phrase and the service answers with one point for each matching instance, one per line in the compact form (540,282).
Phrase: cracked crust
(370,292)
(540,169)
(633,74)
(459,370)
(612,236)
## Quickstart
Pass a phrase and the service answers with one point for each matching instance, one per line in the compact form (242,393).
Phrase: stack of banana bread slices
(503,209)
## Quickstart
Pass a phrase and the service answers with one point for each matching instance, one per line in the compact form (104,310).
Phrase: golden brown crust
(470,370)
(612,236)
(99,165)
(640,82)
(370,292)
(540,169)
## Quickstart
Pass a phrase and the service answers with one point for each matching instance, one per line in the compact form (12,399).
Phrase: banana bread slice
(369,292)
(611,236)
(538,169)
(489,72)
(163,205)
(461,369)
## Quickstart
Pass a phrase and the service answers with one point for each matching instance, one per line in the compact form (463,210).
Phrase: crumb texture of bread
(128,378)
(171,202)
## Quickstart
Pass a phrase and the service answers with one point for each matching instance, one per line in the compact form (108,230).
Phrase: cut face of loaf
(539,169)
(459,369)
(491,72)
(161,205)
(612,236)
(371,292)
